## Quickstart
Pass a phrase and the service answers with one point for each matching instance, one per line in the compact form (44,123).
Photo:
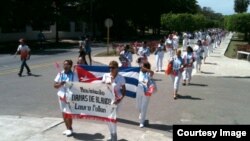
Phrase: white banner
(89,100)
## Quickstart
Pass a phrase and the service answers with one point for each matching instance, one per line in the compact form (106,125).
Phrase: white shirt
(169,43)
(24,51)
(70,77)
(177,63)
(144,51)
(23,48)
(185,42)
(116,84)
(127,55)
(187,58)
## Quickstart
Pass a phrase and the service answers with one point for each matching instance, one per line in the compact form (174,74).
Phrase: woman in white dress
(117,83)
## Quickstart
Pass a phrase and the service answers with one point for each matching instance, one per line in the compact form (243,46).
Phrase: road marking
(31,67)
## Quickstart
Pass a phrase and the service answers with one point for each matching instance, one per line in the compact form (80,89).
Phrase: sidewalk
(14,128)
(217,64)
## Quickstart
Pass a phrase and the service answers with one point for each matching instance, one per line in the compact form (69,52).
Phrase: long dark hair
(190,49)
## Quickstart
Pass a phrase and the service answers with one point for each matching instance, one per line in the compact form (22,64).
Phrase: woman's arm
(123,90)
(58,84)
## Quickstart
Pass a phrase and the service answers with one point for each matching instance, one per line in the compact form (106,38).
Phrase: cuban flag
(90,74)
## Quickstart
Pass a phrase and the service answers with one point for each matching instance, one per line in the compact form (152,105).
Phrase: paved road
(209,100)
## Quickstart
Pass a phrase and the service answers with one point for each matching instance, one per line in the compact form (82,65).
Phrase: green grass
(232,48)
(236,41)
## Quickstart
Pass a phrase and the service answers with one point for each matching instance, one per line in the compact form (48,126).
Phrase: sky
(226,7)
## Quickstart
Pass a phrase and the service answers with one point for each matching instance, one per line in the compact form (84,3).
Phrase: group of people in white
(180,67)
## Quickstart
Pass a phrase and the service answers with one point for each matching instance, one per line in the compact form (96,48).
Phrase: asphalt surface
(208,100)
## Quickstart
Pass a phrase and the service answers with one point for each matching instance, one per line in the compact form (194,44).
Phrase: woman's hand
(118,101)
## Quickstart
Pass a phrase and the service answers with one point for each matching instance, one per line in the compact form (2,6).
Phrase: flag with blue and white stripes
(94,73)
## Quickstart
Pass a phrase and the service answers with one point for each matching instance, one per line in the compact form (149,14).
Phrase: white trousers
(198,66)
(111,125)
(176,80)
(158,59)
(210,49)
(205,54)
(171,52)
(142,103)
(187,74)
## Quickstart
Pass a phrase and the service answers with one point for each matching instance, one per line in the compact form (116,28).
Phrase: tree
(239,23)
(240,6)
(183,22)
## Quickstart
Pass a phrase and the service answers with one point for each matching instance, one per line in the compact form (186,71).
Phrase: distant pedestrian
(87,47)
(41,39)
(24,52)
(159,55)
(205,44)
(169,44)
(143,53)
(82,52)
(126,57)
(81,61)
(178,66)
(67,75)
(188,59)
(199,50)
(185,42)
(175,41)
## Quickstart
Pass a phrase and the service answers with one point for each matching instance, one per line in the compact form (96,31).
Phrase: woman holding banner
(117,83)
(62,77)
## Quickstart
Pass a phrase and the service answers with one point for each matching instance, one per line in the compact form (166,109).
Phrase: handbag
(169,69)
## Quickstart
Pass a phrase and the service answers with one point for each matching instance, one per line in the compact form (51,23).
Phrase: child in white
(159,54)
(144,92)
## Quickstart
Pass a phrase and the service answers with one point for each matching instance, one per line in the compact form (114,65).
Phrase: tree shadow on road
(188,97)
(161,127)
(88,137)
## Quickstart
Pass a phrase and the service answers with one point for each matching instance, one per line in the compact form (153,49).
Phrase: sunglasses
(111,67)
